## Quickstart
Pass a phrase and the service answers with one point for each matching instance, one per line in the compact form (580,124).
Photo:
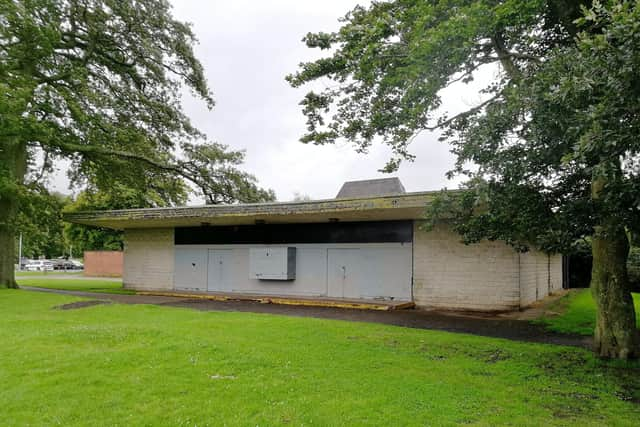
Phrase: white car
(39,265)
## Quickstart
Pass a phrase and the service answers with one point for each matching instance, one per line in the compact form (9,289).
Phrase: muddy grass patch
(81,304)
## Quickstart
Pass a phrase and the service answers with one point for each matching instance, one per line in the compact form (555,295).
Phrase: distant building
(103,263)
(364,244)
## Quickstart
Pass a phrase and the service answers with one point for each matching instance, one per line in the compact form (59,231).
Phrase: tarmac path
(475,324)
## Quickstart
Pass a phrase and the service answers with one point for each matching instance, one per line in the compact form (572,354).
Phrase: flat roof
(379,208)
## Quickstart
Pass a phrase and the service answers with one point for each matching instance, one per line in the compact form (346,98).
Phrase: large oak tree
(99,83)
(551,151)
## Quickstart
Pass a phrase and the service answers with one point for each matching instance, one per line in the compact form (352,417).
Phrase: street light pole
(20,253)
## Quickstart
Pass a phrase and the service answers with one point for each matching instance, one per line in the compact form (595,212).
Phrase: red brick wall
(103,263)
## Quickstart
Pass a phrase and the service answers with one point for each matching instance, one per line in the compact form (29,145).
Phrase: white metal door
(387,273)
(219,275)
(370,272)
(343,273)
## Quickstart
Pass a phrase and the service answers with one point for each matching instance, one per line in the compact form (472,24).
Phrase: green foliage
(45,234)
(99,83)
(154,365)
(85,238)
(577,313)
(561,110)
(159,193)
(40,223)
(391,60)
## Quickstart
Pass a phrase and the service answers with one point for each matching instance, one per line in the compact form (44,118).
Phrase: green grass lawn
(87,285)
(151,365)
(578,313)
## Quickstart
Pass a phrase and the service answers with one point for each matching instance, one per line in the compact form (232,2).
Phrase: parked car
(66,264)
(75,265)
(59,264)
(39,265)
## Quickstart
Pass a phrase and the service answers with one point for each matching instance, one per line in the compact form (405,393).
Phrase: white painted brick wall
(483,276)
(533,277)
(556,272)
(148,258)
(450,274)
(540,275)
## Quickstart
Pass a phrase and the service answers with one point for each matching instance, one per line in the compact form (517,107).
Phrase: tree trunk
(615,335)
(14,169)
(7,247)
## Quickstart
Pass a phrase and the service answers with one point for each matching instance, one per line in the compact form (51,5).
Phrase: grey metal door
(370,272)
(344,270)
(190,272)
(219,274)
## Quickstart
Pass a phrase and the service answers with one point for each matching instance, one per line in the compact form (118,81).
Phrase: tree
(550,153)
(40,223)
(86,238)
(99,82)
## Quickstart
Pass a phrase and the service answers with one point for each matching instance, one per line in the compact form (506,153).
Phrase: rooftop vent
(371,188)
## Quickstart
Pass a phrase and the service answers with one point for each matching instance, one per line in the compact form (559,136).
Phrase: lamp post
(20,253)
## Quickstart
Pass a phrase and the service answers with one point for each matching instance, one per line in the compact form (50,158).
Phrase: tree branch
(186,170)
(94,149)
(470,111)
(517,55)
(45,166)
(43,78)
(467,73)
(505,57)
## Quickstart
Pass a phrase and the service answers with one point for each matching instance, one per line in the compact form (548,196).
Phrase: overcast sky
(247,47)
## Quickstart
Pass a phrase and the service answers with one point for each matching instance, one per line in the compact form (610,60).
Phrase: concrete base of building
(360,304)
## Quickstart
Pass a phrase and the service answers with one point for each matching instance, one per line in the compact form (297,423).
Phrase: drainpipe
(519,282)
(548,274)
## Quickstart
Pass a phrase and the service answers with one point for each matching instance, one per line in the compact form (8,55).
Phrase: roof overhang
(398,207)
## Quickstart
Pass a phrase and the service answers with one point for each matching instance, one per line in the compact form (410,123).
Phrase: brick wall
(449,274)
(540,275)
(482,276)
(534,277)
(103,263)
(148,258)
(555,270)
